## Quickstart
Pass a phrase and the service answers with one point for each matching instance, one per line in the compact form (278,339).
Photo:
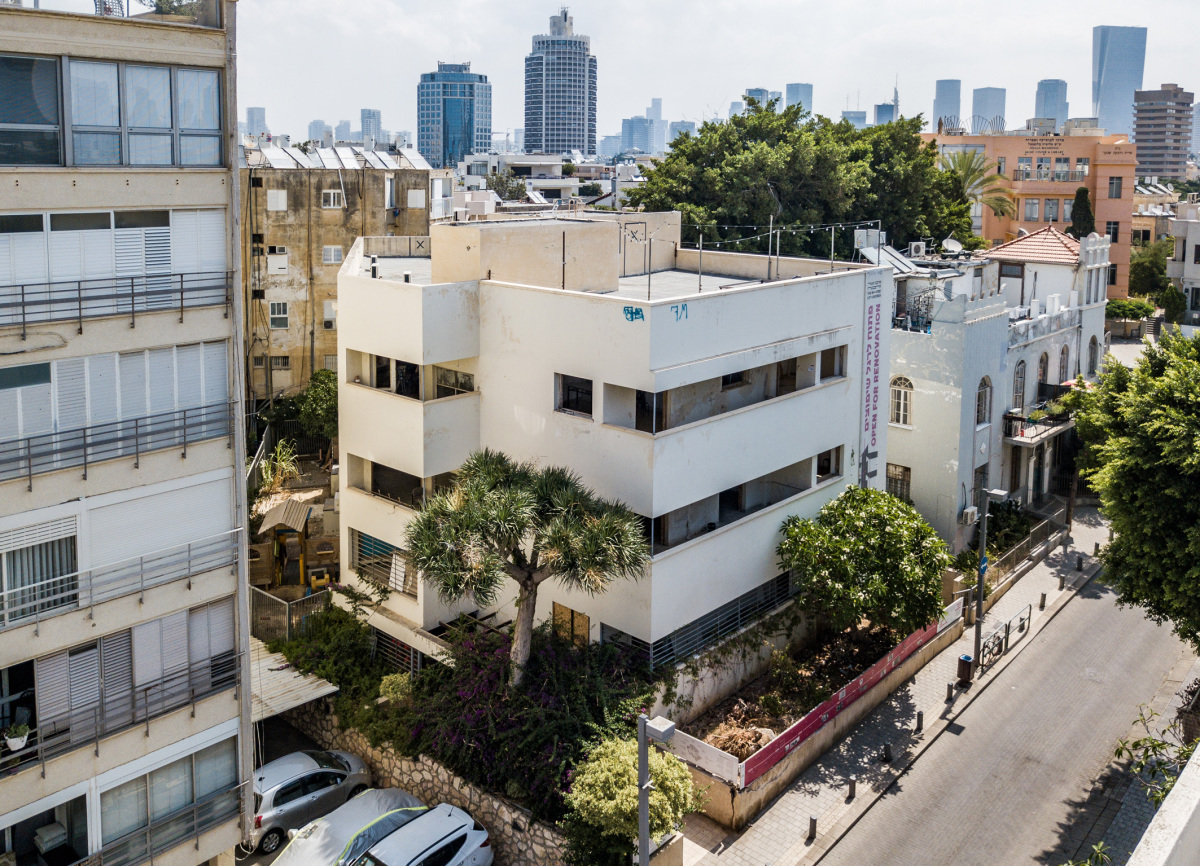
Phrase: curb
(809,853)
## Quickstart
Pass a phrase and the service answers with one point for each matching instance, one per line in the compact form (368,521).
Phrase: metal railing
(111,713)
(85,589)
(49,452)
(76,300)
(1025,329)
(1018,426)
(273,618)
(254,471)
(1007,561)
(997,643)
(200,13)
(1052,174)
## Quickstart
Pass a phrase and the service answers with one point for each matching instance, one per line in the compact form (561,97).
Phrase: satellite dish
(1022,232)
(952,246)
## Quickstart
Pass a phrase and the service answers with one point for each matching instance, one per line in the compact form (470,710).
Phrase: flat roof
(393,268)
(668,285)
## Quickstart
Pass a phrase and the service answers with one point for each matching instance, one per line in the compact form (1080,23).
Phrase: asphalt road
(1003,785)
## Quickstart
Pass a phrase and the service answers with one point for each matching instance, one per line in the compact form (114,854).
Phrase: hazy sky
(306,59)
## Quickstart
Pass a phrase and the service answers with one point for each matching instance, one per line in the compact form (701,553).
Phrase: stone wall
(517,839)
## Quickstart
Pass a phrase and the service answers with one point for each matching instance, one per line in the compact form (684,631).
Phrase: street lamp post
(662,730)
(988,497)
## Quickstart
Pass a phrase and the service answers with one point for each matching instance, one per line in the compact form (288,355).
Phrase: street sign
(983,564)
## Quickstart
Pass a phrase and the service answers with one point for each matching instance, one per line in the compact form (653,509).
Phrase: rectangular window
(829,464)
(277,262)
(281,362)
(329,321)
(574,395)
(260,361)
(980,484)
(451,382)
(833,363)
(331,362)
(381,562)
(1083,164)
(1112,228)
(1051,210)
(29,121)
(733,380)
(1031,210)
(95,113)
(389,191)
(1068,207)
(570,624)
(1001,163)
(1114,187)
(277,199)
(899,481)
(279,315)
(25,374)
(332,198)
(331,255)
(1196,254)
(1112,275)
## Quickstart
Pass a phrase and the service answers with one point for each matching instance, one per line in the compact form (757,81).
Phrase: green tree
(1173,302)
(1157,757)
(603,822)
(1148,269)
(590,189)
(1139,428)
(1083,223)
(977,180)
(568,169)
(319,405)
(867,555)
(504,519)
(506,185)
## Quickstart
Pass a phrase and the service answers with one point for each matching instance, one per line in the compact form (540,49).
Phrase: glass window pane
(171,788)
(97,148)
(123,809)
(148,96)
(149,149)
(28,90)
(216,768)
(28,146)
(198,102)
(199,150)
(94,94)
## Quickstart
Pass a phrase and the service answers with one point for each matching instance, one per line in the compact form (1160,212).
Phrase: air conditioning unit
(970,515)
(916,250)
(330,324)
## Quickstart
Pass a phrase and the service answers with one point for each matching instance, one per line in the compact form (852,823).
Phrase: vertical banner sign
(869,435)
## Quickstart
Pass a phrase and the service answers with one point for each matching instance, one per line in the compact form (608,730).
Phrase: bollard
(920,720)
(853,786)
(1062,581)
(812,827)
(1079,562)
(887,752)
(949,692)
(1096,552)
(1042,603)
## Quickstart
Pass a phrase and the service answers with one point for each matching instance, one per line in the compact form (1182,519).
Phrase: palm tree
(978,181)
(504,519)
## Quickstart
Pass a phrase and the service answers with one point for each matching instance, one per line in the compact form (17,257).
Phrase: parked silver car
(441,836)
(299,788)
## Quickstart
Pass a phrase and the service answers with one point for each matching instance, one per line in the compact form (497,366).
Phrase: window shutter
(66,256)
(36,413)
(133,384)
(10,427)
(85,692)
(188,373)
(221,628)
(157,250)
(199,649)
(116,656)
(129,252)
(97,249)
(216,373)
(102,388)
(53,691)
(211,240)
(70,391)
(29,257)
(162,380)
(38,533)
(185,225)
(147,653)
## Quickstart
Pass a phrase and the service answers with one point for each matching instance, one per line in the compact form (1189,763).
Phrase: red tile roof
(1048,245)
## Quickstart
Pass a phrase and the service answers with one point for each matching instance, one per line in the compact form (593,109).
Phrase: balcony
(422,438)
(1023,329)
(1022,430)
(85,589)
(50,452)
(197,13)
(170,831)
(1052,175)
(76,300)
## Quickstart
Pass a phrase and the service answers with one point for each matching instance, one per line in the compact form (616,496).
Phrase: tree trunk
(523,630)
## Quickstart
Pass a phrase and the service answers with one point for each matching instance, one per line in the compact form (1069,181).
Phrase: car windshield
(368,860)
(329,761)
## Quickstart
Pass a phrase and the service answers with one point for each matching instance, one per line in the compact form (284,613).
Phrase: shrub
(1129,308)
(784,673)
(397,688)
(772,704)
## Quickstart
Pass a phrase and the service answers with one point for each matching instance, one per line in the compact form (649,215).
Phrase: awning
(291,513)
(276,686)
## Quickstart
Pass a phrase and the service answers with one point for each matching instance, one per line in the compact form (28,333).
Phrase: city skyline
(459,31)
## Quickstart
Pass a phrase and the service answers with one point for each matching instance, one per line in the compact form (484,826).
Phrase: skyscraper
(454,114)
(1162,130)
(947,103)
(256,122)
(316,130)
(341,132)
(798,94)
(857,118)
(736,107)
(658,126)
(678,128)
(372,124)
(987,109)
(885,112)
(776,95)
(1051,101)
(759,93)
(636,133)
(560,91)
(1118,58)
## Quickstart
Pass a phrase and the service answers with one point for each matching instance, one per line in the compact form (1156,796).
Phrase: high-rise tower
(560,90)
(1051,101)
(947,103)
(1118,58)
(454,114)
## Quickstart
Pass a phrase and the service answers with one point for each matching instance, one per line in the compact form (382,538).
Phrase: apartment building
(713,405)
(979,347)
(542,173)
(1162,128)
(300,214)
(1044,171)
(560,90)
(123,614)
(1184,266)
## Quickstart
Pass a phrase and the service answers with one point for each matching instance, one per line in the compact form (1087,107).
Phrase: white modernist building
(1184,266)
(980,347)
(715,406)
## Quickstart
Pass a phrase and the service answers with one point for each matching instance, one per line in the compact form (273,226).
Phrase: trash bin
(965,668)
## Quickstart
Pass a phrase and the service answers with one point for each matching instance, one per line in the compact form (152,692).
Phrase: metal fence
(307,445)
(254,471)
(273,618)
(1007,561)
(49,452)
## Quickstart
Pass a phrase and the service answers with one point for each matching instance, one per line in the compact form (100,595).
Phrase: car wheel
(271,841)
(356,790)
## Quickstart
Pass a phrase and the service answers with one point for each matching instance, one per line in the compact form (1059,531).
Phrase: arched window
(1064,364)
(1043,368)
(1018,401)
(983,401)
(901,412)
(1093,352)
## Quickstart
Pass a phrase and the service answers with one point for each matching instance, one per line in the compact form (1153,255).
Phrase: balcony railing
(84,589)
(1023,330)
(1022,429)
(49,452)
(114,710)
(169,831)
(198,13)
(1049,174)
(76,300)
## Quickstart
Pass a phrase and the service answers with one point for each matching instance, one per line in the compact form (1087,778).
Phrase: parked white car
(295,789)
(350,830)
(442,836)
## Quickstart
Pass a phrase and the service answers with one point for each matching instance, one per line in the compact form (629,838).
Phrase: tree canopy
(508,186)
(1140,428)
(978,181)
(793,167)
(1083,222)
(318,405)
(867,555)
(1148,269)
(519,521)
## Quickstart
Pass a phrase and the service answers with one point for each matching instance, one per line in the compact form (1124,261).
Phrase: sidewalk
(779,834)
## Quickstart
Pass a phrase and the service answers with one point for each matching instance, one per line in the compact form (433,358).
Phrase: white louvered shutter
(116,657)
(97,248)
(188,372)
(211,240)
(175,657)
(38,533)
(129,252)
(66,256)
(29,257)
(146,640)
(85,693)
(221,628)
(169,519)
(199,649)
(10,418)
(37,414)
(133,384)
(70,393)
(10,291)
(102,388)
(216,373)
(52,689)
(185,257)
(162,380)
(162,290)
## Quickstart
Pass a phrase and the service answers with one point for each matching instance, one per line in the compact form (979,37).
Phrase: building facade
(454,114)
(1118,59)
(637,132)
(885,112)
(1184,266)
(1044,172)
(372,125)
(317,130)
(1162,130)
(560,91)
(987,109)
(798,93)
(1050,102)
(858,119)
(256,122)
(714,414)
(123,622)
(542,173)
(947,104)
(979,348)
(300,214)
